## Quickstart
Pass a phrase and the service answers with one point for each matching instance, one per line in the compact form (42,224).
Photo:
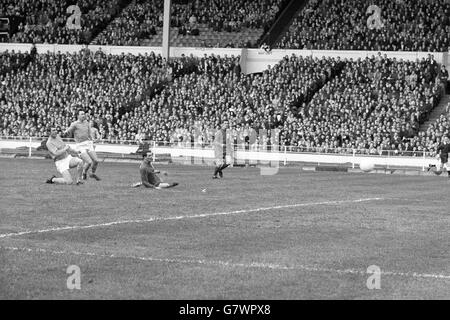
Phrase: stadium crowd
(219,93)
(126,22)
(50,89)
(45,21)
(10,61)
(375,104)
(433,135)
(142,18)
(405,25)
(232,15)
(136,22)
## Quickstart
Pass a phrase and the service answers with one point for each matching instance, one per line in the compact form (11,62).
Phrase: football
(366,165)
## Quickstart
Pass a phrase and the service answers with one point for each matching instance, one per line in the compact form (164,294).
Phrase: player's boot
(93,175)
(79,182)
(220,174)
(431,166)
(215,177)
(50,180)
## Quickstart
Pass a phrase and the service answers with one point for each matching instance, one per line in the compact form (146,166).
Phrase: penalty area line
(230,264)
(181,217)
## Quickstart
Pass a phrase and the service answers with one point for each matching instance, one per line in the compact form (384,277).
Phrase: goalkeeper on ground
(149,176)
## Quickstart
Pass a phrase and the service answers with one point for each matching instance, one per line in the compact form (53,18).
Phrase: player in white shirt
(81,130)
(59,151)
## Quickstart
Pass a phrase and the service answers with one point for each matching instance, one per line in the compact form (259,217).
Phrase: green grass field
(293,235)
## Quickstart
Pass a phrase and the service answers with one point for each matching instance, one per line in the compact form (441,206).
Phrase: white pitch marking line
(203,215)
(254,265)
(419,200)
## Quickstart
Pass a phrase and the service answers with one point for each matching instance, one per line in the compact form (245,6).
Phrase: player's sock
(94,166)
(94,169)
(165,185)
(85,170)
(216,171)
(80,171)
(221,168)
(93,175)
(59,181)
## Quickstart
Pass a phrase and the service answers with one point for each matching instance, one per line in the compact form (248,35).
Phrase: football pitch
(293,235)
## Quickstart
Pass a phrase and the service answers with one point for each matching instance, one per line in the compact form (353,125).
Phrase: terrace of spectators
(50,89)
(201,23)
(45,21)
(374,103)
(405,25)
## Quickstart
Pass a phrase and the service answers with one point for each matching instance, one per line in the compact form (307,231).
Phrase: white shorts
(84,146)
(441,165)
(63,164)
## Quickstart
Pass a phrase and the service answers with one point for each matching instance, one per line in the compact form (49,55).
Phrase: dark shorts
(153,179)
(444,159)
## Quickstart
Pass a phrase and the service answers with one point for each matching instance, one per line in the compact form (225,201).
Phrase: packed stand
(10,61)
(138,21)
(143,19)
(45,21)
(219,93)
(405,25)
(373,105)
(51,89)
(229,15)
(328,104)
(432,137)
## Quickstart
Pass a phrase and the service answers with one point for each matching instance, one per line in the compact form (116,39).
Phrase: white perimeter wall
(241,156)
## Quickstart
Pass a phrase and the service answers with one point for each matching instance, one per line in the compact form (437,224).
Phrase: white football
(367,165)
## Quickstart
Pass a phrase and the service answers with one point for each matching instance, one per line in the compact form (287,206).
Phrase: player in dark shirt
(442,151)
(220,152)
(149,176)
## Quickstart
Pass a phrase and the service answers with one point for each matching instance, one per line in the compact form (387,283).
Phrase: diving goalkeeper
(149,177)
